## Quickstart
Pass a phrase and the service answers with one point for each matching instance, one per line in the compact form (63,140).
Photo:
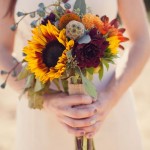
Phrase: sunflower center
(52,52)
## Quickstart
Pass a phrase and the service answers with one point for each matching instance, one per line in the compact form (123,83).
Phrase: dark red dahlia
(95,34)
(88,55)
(50,18)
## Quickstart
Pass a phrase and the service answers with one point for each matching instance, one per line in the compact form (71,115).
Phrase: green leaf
(65,85)
(22,93)
(35,99)
(88,86)
(74,79)
(38,86)
(109,60)
(45,89)
(89,76)
(106,63)
(23,74)
(85,142)
(69,56)
(56,82)
(80,4)
(90,70)
(101,72)
(30,81)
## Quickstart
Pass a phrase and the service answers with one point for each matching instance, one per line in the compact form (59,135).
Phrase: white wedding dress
(38,130)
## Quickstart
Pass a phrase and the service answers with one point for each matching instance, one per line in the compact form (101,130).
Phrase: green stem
(56,82)
(79,143)
(91,144)
(83,143)
(12,70)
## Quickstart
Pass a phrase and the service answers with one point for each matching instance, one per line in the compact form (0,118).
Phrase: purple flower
(50,18)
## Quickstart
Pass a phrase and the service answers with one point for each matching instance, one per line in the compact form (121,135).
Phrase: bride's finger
(93,128)
(74,100)
(77,113)
(79,123)
(62,103)
(90,135)
(76,132)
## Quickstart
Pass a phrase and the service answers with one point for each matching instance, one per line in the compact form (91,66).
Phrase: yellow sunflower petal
(62,37)
(113,44)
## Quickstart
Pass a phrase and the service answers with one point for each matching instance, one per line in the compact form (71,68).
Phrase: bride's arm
(133,15)
(6,43)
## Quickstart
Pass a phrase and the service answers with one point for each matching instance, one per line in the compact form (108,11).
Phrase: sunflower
(46,52)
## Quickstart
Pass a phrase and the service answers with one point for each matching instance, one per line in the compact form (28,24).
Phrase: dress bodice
(100,7)
(108,7)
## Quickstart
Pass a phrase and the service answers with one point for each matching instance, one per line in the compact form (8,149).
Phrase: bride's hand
(90,124)
(103,105)
(66,110)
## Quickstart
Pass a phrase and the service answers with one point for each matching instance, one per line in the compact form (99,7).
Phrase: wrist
(112,92)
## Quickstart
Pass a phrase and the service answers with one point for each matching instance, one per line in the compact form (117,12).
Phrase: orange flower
(112,29)
(91,21)
(87,20)
(98,24)
(120,35)
(65,19)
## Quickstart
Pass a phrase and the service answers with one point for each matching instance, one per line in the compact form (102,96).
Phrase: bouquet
(66,49)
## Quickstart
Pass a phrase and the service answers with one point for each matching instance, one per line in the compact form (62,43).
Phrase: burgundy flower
(88,55)
(50,18)
(95,34)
